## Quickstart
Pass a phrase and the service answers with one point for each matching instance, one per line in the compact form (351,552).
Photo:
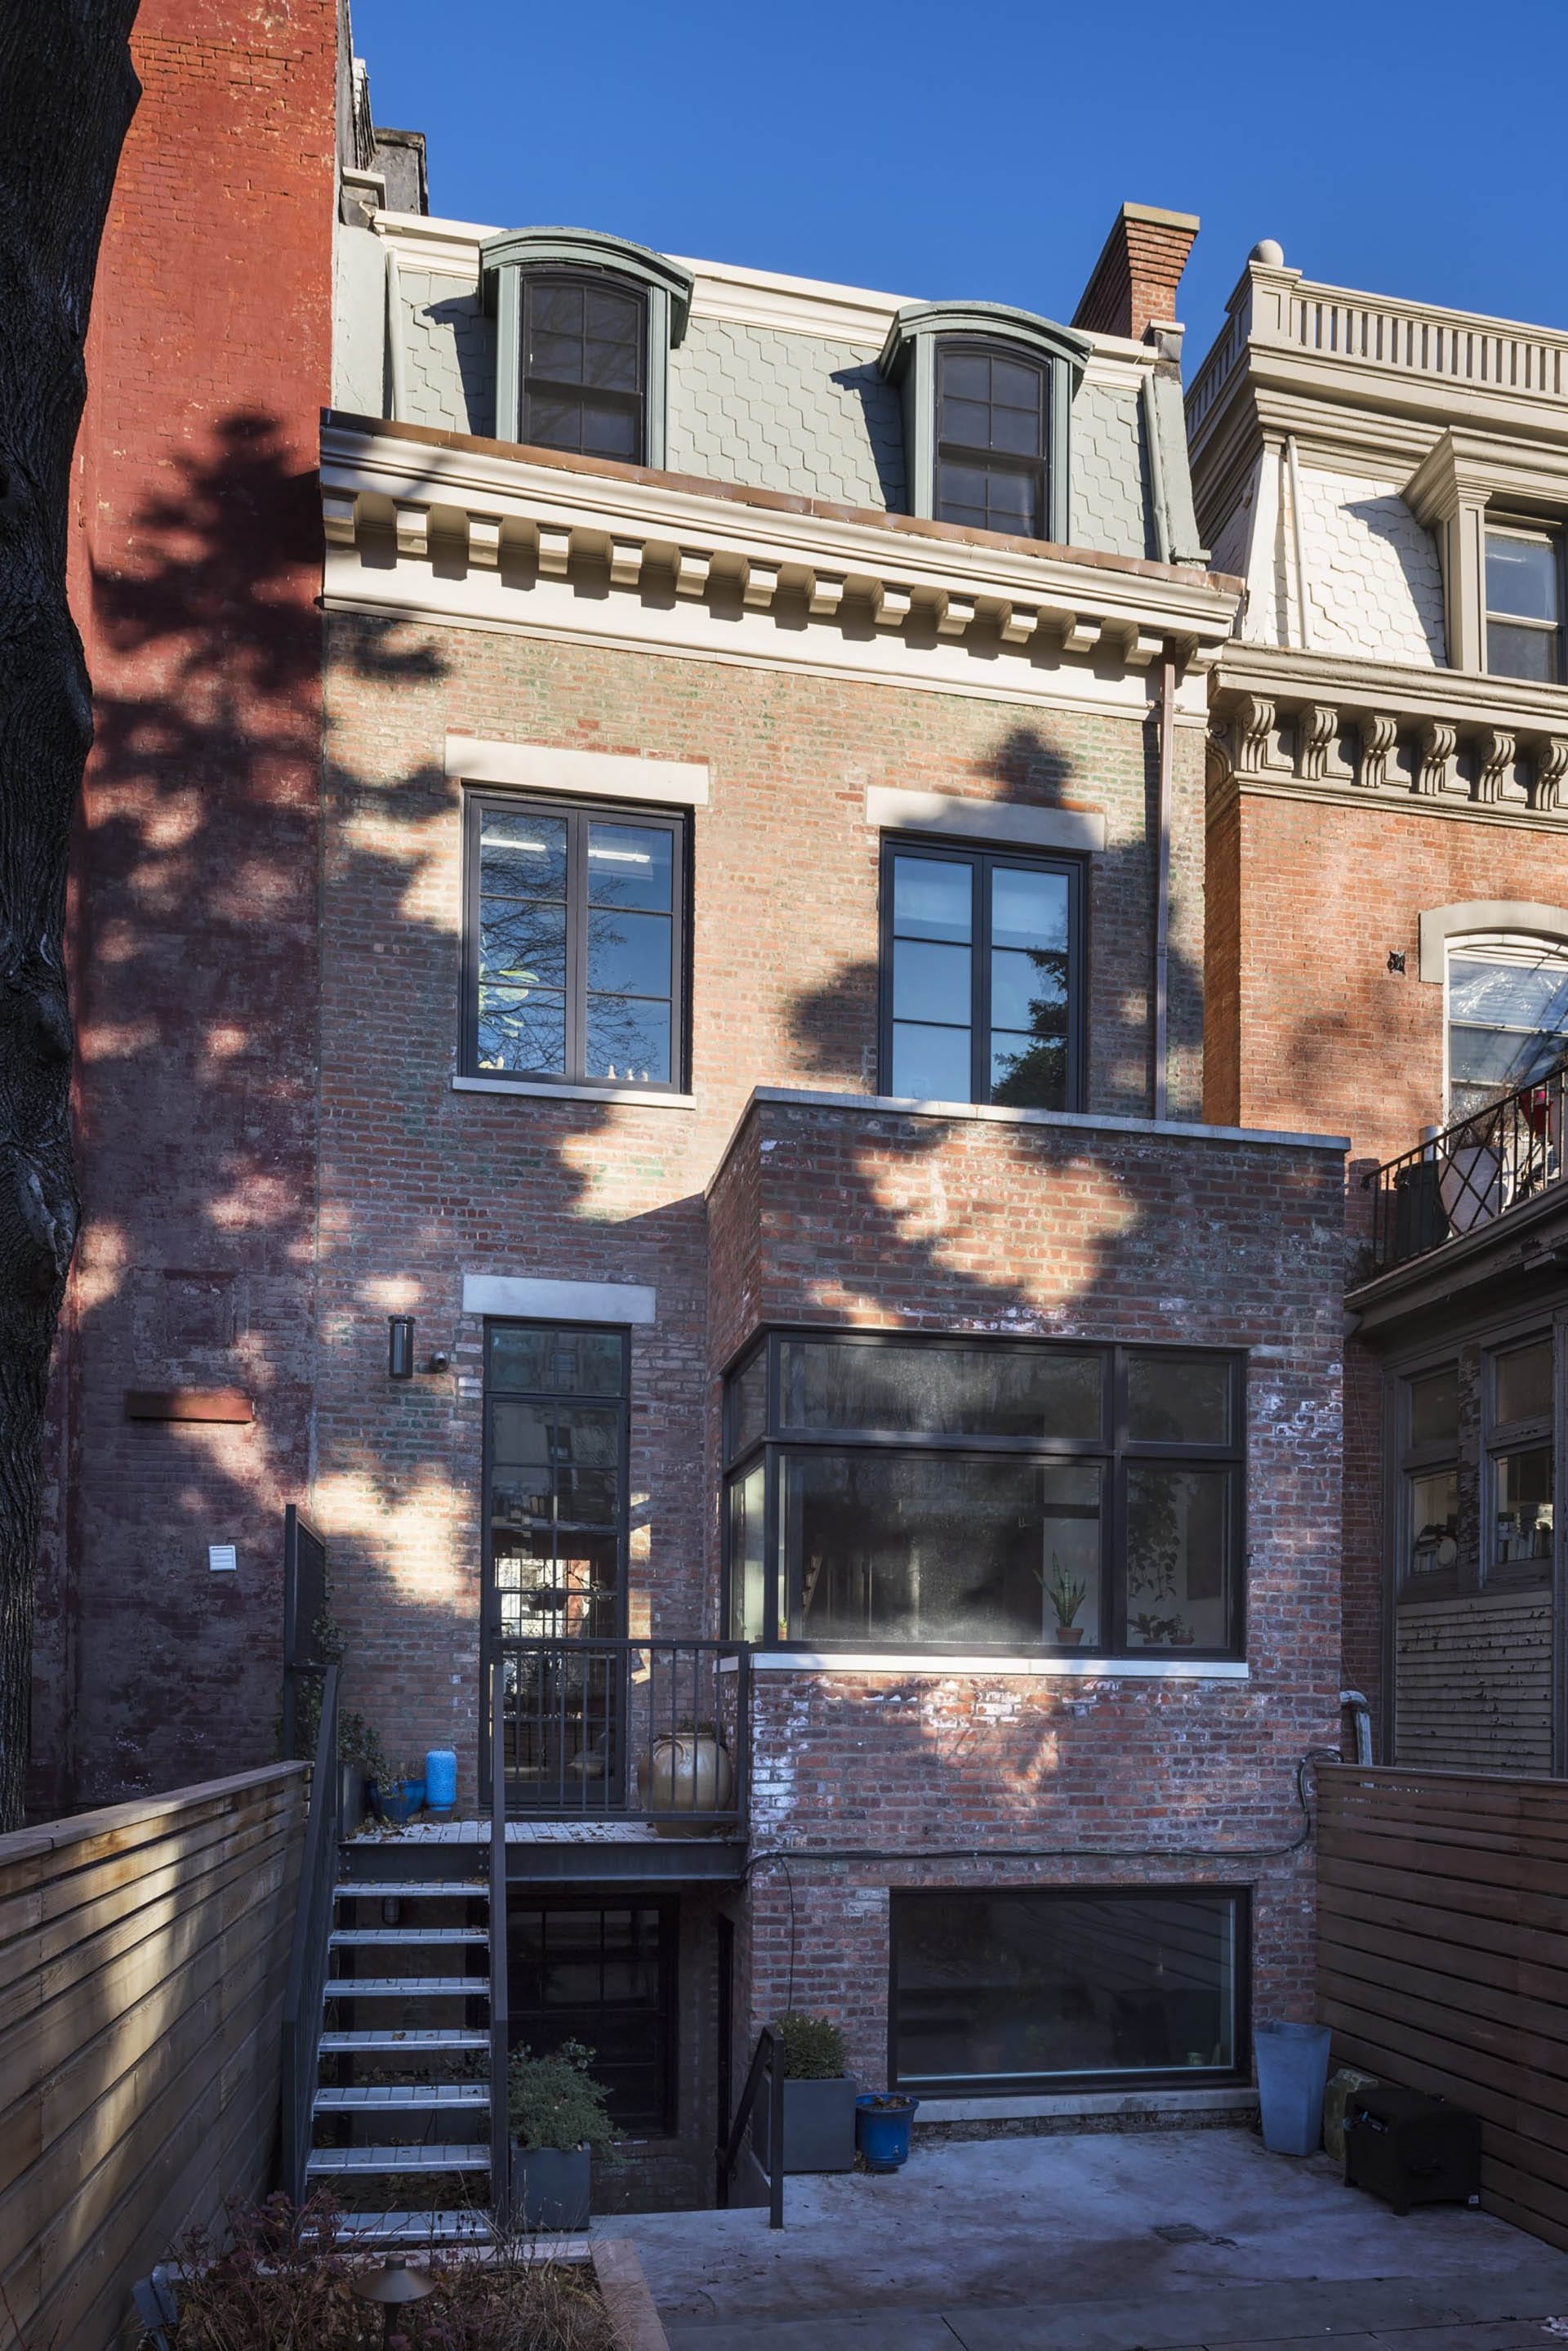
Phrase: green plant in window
(813,2048)
(1065,1593)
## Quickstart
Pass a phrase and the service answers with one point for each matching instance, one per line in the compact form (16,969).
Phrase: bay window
(999,1495)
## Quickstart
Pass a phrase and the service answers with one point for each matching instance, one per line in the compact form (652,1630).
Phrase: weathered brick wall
(1306,901)
(421,1184)
(922,1224)
(195,566)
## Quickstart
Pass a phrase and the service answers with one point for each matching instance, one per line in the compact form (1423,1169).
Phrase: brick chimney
(1137,273)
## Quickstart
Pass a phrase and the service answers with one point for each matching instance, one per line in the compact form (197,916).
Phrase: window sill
(540,1090)
(984,2107)
(932,1665)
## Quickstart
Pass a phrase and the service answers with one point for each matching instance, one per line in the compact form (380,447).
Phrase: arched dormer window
(987,396)
(584,327)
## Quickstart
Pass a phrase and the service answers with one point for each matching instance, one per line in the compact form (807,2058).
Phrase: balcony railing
(656,1731)
(1473,1172)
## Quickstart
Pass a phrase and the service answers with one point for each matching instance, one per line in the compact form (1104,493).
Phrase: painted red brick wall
(195,564)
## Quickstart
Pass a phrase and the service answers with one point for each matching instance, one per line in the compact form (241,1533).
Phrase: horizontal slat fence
(1442,1959)
(143,1956)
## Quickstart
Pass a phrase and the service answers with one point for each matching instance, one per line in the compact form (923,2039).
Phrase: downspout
(1296,542)
(1156,470)
(397,364)
(1360,1715)
(1162,884)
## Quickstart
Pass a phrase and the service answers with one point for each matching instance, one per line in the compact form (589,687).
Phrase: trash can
(440,1779)
(1293,2073)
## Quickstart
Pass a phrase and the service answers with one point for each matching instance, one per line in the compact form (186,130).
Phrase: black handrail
(768,2061)
(499,2133)
(1508,1151)
(304,1606)
(652,1726)
(308,1955)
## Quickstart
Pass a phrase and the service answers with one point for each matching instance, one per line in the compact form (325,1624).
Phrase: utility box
(1409,2148)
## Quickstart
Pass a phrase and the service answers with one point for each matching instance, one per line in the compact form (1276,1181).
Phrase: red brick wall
(195,566)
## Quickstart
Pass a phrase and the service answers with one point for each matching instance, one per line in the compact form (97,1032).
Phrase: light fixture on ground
(392,2285)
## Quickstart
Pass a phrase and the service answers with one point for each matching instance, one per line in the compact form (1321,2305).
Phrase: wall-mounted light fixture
(399,1346)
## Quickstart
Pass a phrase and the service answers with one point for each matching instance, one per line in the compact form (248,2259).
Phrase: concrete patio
(1099,2242)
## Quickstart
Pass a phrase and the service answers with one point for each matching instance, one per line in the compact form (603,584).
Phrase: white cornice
(484,540)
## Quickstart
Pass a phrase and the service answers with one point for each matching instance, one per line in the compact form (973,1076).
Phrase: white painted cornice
(439,526)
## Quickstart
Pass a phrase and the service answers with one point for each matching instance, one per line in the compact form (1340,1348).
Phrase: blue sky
(1409,150)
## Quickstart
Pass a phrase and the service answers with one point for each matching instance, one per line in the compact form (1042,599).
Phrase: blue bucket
(440,1779)
(882,2131)
(1293,2075)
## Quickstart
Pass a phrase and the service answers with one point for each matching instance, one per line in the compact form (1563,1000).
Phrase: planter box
(819,2125)
(550,2188)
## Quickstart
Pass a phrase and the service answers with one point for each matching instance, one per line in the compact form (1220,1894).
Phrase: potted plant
(362,1760)
(1066,1594)
(686,1770)
(882,2121)
(819,2099)
(555,2113)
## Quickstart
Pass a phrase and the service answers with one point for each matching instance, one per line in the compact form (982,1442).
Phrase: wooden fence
(143,1951)
(1442,1959)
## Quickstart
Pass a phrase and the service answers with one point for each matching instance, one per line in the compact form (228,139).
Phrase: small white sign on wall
(222,1559)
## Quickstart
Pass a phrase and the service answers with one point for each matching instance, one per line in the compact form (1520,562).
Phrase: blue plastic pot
(440,1779)
(882,2131)
(1293,2075)
(403,1800)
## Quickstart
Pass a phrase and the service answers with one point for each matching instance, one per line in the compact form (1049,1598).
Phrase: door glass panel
(1523,1377)
(1521,1537)
(1431,1568)
(562,1361)
(1435,1407)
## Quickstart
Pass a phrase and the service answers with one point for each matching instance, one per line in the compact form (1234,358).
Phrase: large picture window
(963,1494)
(575,925)
(1012,1990)
(981,977)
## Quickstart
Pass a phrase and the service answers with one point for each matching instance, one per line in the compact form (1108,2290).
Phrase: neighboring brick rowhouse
(835,1214)
(420,1184)
(196,567)
(1134,282)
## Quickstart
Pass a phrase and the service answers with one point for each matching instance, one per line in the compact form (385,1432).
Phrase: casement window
(993,438)
(1016,1989)
(982,981)
(1429,1474)
(556,1430)
(585,340)
(1507,1017)
(1517,1518)
(965,1494)
(575,921)
(602,1973)
(1524,602)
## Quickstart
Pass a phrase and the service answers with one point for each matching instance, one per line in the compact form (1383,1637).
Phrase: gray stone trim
(1439,924)
(558,1301)
(592,775)
(546,1090)
(890,809)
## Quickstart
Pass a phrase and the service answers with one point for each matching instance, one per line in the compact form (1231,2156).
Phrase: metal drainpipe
(1162,883)
(1296,539)
(1361,1723)
(395,338)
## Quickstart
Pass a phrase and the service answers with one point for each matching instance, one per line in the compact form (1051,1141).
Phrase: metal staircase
(395,2038)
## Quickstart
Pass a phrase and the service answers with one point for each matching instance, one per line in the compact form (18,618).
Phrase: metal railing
(767,2064)
(499,2133)
(304,1607)
(651,1729)
(309,1955)
(1477,1169)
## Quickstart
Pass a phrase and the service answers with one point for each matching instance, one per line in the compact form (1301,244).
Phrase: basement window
(965,1494)
(1016,1991)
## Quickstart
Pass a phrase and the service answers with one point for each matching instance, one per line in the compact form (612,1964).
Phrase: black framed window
(993,436)
(982,988)
(556,1432)
(973,1494)
(1520,1466)
(602,1974)
(584,340)
(1525,604)
(576,943)
(1013,1990)
(1429,1467)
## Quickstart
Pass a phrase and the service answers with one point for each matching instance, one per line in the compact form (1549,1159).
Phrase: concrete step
(398,2097)
(407,1988)
(421,2040)
(357,1939)
(341,2162)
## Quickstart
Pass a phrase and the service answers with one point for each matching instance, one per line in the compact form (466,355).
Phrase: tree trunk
(67,92)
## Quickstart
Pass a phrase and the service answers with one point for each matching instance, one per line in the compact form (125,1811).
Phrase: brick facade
(196,567)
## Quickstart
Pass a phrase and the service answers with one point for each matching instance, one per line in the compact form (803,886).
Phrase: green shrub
(813,2049)
(555,2102)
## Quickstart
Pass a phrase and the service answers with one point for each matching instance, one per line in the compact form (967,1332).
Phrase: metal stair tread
(339,2160)
(377,1938)
(414,2038)
(412,1889)
(415,2228)
(405,1987)
(392,2097)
